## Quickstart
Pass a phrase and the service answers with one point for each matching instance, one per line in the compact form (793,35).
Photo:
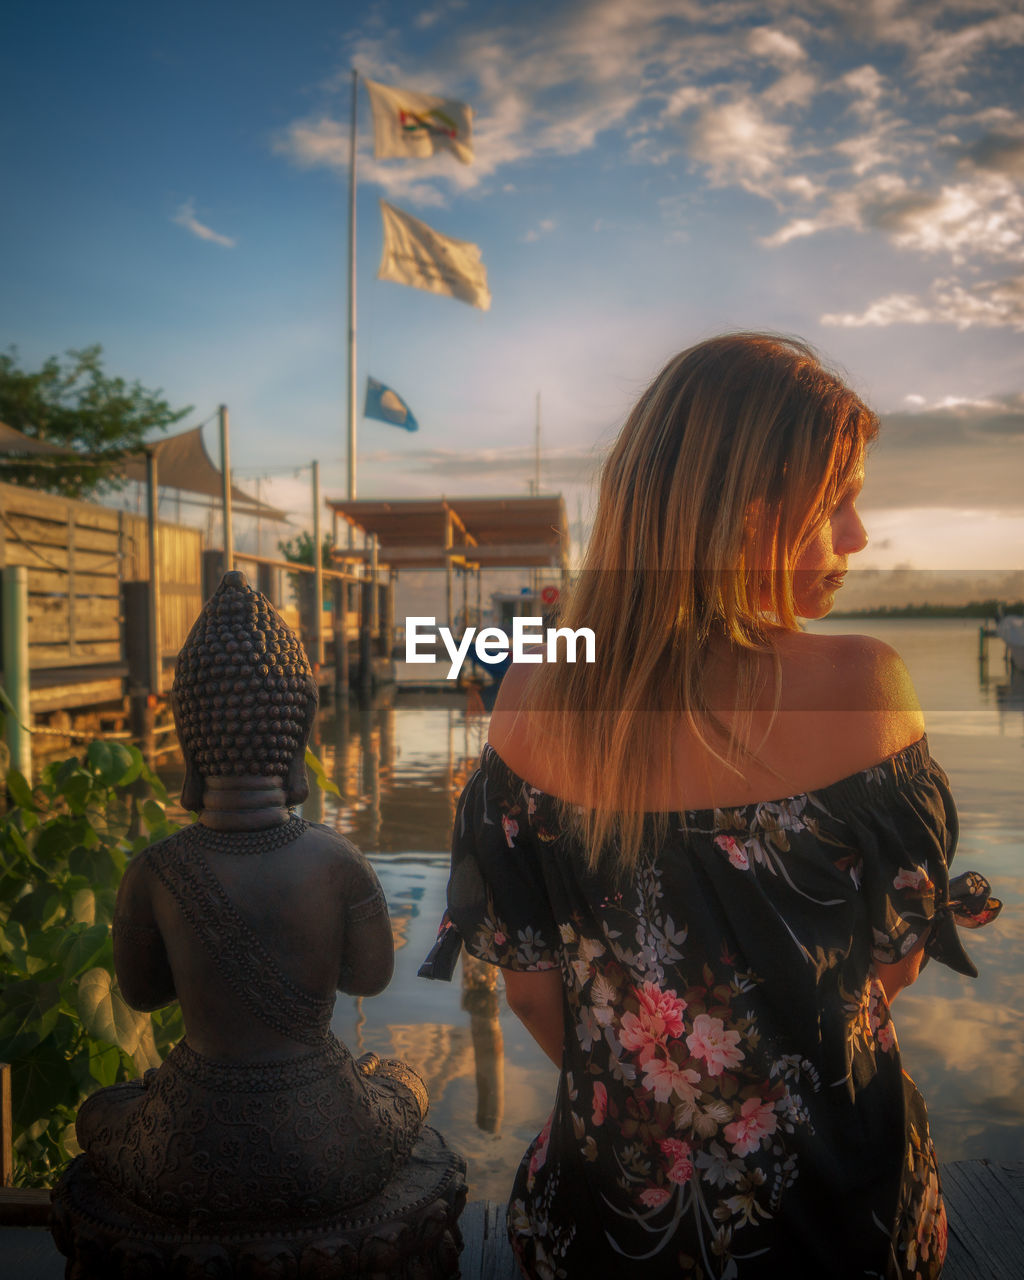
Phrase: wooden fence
(78,555)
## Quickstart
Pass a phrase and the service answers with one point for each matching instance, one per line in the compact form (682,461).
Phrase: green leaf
(30,1013)
(12,710)
(105,902)
(39,908)
(105,1014)
(83,906)
(101,867)
(320,774)
(99,758)
(13,940)
(77,790)
(85,950)
(21,792)
(39,1085)
(153,814)
(104,1062)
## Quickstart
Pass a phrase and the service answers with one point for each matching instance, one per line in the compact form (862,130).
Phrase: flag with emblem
(387,406)
(407,123)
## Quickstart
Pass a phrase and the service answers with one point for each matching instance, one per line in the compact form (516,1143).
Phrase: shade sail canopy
(12,441)
(494,533)
(183,463)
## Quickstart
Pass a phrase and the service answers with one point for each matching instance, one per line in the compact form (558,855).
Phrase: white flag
(406,123)
(417,255)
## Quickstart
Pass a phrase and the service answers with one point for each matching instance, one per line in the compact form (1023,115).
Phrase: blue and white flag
(387,406)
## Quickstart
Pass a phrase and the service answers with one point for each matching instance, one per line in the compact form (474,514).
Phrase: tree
(71,402)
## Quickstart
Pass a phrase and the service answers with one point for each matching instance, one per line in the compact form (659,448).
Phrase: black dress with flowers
(732,1102)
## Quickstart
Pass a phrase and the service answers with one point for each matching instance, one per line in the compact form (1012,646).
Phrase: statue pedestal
(408,1230)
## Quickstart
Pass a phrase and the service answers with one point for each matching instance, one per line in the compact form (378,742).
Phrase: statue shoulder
(348,862)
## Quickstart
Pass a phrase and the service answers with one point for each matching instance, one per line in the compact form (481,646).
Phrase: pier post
(138,643)
(15,667)
(338,613)
(367,588)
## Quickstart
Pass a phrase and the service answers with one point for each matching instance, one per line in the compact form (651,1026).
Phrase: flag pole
(352,294)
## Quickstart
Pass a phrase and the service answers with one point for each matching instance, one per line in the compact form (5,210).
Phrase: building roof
(492,533)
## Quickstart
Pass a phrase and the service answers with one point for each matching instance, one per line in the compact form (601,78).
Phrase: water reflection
(399,768)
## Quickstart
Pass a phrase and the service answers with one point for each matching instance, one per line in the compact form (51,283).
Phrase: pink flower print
(660,1019)
(737,854)
(710,1040)
(636,1037)
(757,1121)
(663,1077)
(511,829)
(915,878)
(680,1168)
(540,1153)
(499,938)
(886,1037)
(600,1103)
(681,1171)
(661,1007)
(654,1197)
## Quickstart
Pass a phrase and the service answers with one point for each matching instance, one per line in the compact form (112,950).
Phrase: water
(400,769)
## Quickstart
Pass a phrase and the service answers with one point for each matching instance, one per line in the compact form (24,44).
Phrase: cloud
(977,220)
(186,217)
(322,142)
(946,56)
(999,151)
(543,228)
(827,110)
(775,46)
(990,304)
(957,452)
(492,466)
(739,145)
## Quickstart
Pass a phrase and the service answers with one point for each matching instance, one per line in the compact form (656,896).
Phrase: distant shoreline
(981,609)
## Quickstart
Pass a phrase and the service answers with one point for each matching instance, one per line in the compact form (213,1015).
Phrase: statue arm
(368,951)
(140,957)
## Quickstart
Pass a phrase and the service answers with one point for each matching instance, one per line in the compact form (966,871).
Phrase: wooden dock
(984,1202)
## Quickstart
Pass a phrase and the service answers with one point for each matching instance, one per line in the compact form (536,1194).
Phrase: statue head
(244,697)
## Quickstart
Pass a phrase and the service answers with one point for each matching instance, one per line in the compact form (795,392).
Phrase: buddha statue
(260,1136)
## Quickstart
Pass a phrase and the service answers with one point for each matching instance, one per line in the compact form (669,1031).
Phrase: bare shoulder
(859,678)
(508,732)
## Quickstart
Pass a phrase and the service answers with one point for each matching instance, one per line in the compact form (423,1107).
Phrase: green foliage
(299,550)
(315,765)
(64,1026)
(74,404)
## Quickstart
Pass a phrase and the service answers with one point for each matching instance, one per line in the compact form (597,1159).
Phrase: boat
(1010,629)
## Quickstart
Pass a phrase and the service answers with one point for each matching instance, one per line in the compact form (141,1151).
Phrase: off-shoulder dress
(732,1101)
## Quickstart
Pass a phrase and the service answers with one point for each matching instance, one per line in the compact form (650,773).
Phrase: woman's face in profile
(821,565)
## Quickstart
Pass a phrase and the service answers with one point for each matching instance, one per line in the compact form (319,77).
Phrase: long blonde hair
(730,460)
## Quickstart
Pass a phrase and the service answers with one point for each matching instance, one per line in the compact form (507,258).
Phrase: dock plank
(984,1203)
(985,1208)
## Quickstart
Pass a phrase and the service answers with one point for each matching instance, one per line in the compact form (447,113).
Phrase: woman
(710,966)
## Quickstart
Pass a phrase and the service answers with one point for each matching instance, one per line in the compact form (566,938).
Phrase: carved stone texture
(408,1230)
(260,1146)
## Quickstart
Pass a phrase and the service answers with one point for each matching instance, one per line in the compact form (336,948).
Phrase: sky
(647,173)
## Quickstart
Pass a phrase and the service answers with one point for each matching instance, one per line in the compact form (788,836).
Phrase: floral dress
(732,1103)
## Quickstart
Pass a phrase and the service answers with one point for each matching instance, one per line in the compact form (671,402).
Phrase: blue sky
(647,173)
